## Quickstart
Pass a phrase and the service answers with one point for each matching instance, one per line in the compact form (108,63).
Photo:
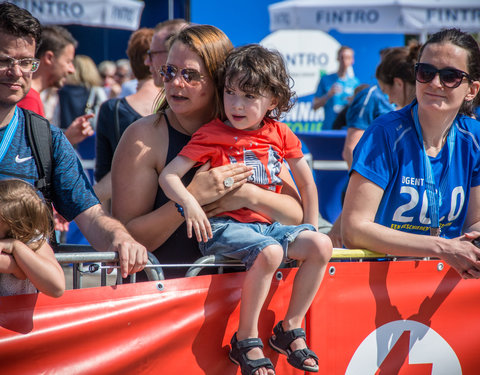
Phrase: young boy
(256,91)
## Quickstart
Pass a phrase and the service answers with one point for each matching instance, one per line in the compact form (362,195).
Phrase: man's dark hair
(55,39)
(19,22)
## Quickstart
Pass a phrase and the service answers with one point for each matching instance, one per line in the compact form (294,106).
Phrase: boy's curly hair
(258,70)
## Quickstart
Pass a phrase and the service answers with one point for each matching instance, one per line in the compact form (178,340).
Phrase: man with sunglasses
(158,52)
(70,191)
(414,187)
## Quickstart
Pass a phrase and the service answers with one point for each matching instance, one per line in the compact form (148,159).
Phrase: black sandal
(282,341)
(238,355)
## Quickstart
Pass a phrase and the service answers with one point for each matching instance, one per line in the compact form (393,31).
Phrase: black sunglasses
(449,77)
(169,72)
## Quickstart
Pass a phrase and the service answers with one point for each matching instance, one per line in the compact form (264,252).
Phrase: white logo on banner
(401,344)
(307,53)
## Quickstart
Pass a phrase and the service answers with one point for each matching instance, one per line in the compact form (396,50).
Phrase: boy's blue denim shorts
(244,241)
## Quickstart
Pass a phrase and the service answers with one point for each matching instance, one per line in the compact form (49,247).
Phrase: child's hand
(196,219)
(7,245)
(9,264)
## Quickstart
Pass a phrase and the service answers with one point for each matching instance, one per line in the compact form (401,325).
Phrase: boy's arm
(172,185)
(308,190)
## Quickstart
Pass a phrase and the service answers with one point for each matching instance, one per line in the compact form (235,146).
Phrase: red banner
(135,329)
(404,317)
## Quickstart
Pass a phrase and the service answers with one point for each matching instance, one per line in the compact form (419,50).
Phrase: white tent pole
(170,10)
(423,36)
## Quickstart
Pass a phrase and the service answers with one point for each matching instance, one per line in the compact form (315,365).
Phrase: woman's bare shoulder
(148,130)
(145,140)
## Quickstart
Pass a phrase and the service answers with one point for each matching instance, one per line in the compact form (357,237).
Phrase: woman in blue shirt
(414,184)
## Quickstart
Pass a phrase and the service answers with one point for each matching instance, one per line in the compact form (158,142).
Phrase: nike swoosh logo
(18,159)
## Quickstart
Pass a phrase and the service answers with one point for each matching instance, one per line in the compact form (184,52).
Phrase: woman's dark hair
(398,62)
(469,44)
(257,70)
(19,22)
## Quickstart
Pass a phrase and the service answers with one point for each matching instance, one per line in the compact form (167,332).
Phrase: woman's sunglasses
(169,72)
(449,77)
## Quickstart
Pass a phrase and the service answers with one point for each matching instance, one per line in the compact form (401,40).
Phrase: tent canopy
(376,16)
(118,14)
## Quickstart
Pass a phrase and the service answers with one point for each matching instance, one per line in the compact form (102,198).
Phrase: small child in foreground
(256,91)
(27,262)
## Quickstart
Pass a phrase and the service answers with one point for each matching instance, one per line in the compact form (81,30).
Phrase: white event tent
(376,16)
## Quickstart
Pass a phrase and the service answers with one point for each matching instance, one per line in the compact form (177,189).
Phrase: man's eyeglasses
(449,77)
(27,65)
(169,72)
(150,52)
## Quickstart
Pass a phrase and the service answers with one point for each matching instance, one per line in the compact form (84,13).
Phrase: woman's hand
(208,185)
(465,257)
(233,200)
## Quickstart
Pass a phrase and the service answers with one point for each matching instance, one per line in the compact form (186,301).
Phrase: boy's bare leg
(255,290)
(314,250)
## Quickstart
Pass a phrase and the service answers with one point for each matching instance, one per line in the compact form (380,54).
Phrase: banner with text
(119,14)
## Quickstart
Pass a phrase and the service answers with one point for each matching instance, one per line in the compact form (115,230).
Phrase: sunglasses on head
(169,72)
(449,77)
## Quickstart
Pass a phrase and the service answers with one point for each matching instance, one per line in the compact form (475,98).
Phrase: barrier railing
(80,255)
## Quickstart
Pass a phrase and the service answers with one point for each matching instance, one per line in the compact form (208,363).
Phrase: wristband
(180,209)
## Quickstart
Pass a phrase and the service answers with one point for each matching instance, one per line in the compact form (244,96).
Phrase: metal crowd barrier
(80,255)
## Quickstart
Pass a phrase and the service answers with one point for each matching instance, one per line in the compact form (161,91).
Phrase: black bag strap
(117,122)
(40,139)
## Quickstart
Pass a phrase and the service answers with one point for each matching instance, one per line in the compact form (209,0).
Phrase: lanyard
(8,136)
(433,194)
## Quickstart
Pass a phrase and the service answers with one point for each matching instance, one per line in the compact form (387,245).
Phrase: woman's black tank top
(178,248)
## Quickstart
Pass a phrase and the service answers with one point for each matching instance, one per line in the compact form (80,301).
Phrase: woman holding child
(151,143)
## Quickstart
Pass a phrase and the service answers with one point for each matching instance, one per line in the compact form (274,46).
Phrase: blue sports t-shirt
(71,191)
(336,103)
(390,155)
(366,106)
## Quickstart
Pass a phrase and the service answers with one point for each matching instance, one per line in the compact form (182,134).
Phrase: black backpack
(40,138)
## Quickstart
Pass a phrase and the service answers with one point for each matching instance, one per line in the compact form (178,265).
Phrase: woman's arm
(351,140)
(472,221)
(139,159)
(308,190)
(360,231)
(39,266)
(135,183)
(284,208)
